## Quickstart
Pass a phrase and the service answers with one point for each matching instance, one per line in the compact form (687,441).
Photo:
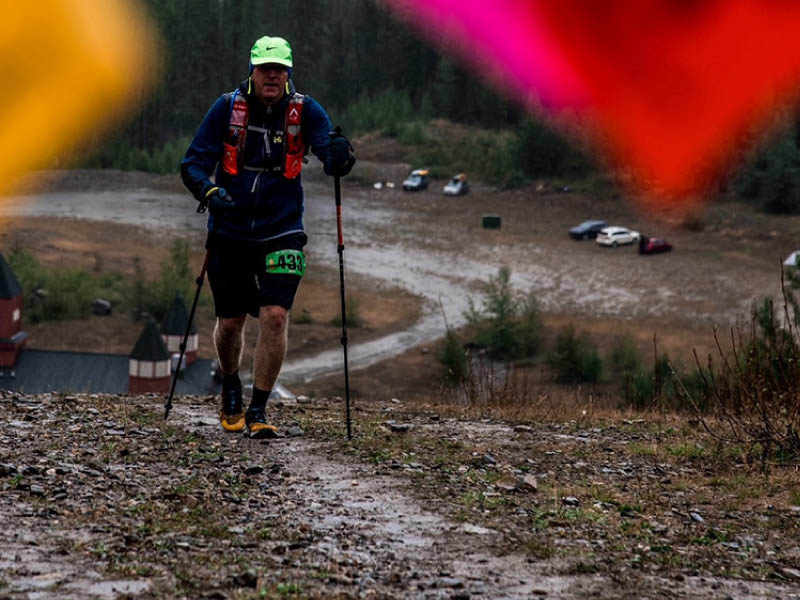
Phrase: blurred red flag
(672,86)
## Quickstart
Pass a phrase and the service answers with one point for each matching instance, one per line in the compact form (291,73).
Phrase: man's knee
(230,328)
(273,319)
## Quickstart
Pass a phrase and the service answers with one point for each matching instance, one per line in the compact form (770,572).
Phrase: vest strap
(294,145)
(233,146)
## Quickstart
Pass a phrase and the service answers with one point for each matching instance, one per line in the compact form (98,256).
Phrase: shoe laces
(256,415)
(232,400)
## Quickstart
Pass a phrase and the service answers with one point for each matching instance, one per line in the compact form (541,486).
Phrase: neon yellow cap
(273,50)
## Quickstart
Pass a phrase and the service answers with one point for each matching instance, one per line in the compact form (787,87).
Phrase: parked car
(791,260)
(457,186)
(616,236)
(587,229)
(651,245)
(416,181)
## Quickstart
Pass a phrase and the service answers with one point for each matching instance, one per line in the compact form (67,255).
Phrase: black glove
(340,158)
(218,201)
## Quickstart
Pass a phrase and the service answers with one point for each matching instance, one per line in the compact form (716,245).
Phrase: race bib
(287,262)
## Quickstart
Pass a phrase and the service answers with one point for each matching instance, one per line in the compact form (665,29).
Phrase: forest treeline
(374,73)
(346,52)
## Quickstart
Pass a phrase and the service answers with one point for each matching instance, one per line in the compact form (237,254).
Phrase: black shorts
(238,275)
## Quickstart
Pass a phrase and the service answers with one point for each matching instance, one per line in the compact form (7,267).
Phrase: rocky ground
(554,494)
(102,499)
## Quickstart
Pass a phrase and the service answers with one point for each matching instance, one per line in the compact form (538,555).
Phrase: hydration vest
(293,145)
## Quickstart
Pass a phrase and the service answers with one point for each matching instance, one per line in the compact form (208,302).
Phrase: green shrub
(484,155)
(624,359)
(112,286)
(782,178)
(453,358)
(58,293)
(692,384)
(504,158)
(138,290)
(772,178)
(384,112)
(656,387)
(540,151)
(507,325)
(30,274)
(623,364)
(641,392)
(412,133)
(155,298)
(352,313)
(575,358)
(304,318)
(69,294)
(167,159)
(53,294)
(119,154)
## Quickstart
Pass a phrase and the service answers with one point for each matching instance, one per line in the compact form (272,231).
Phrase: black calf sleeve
(231,381)
(260,398)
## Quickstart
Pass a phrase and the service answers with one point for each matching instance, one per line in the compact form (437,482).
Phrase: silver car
(457,186)
(616,236)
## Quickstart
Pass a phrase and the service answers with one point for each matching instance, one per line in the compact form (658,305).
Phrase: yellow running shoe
(257,426)
(231,414)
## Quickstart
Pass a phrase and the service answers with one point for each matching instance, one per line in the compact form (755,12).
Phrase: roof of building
(150,345)
(41,371)
(9,286)
(176,318)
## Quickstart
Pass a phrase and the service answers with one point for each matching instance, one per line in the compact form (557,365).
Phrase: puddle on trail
(352,503)
(36,573)
(110,589)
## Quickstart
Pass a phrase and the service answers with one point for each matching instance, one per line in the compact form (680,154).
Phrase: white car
(416,181)
(457,186)
(616,236)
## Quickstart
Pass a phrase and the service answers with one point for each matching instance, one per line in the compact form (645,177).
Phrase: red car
(651,245)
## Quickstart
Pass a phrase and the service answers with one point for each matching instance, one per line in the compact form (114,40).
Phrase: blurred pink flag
(672,87)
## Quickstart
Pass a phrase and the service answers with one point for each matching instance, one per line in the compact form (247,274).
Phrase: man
(255,139)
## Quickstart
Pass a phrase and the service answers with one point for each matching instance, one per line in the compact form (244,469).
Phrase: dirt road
(435,247)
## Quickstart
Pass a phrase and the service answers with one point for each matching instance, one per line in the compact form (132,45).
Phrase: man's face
(269,82)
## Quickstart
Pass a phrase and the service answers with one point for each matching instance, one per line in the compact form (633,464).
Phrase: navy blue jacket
(266,205)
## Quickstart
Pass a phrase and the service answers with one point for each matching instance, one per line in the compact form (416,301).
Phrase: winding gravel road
(435,247)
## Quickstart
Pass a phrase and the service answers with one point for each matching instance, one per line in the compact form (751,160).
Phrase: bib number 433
(287,262)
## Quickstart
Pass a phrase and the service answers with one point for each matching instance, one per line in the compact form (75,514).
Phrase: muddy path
(108,502)
(125,506)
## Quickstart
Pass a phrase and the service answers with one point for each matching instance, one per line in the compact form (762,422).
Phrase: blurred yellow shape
(68,69)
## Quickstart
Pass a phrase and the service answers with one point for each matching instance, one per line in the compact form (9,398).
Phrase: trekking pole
(338,193)
(199,281)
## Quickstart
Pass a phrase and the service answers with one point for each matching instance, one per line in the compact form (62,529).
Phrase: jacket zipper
(255,181)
